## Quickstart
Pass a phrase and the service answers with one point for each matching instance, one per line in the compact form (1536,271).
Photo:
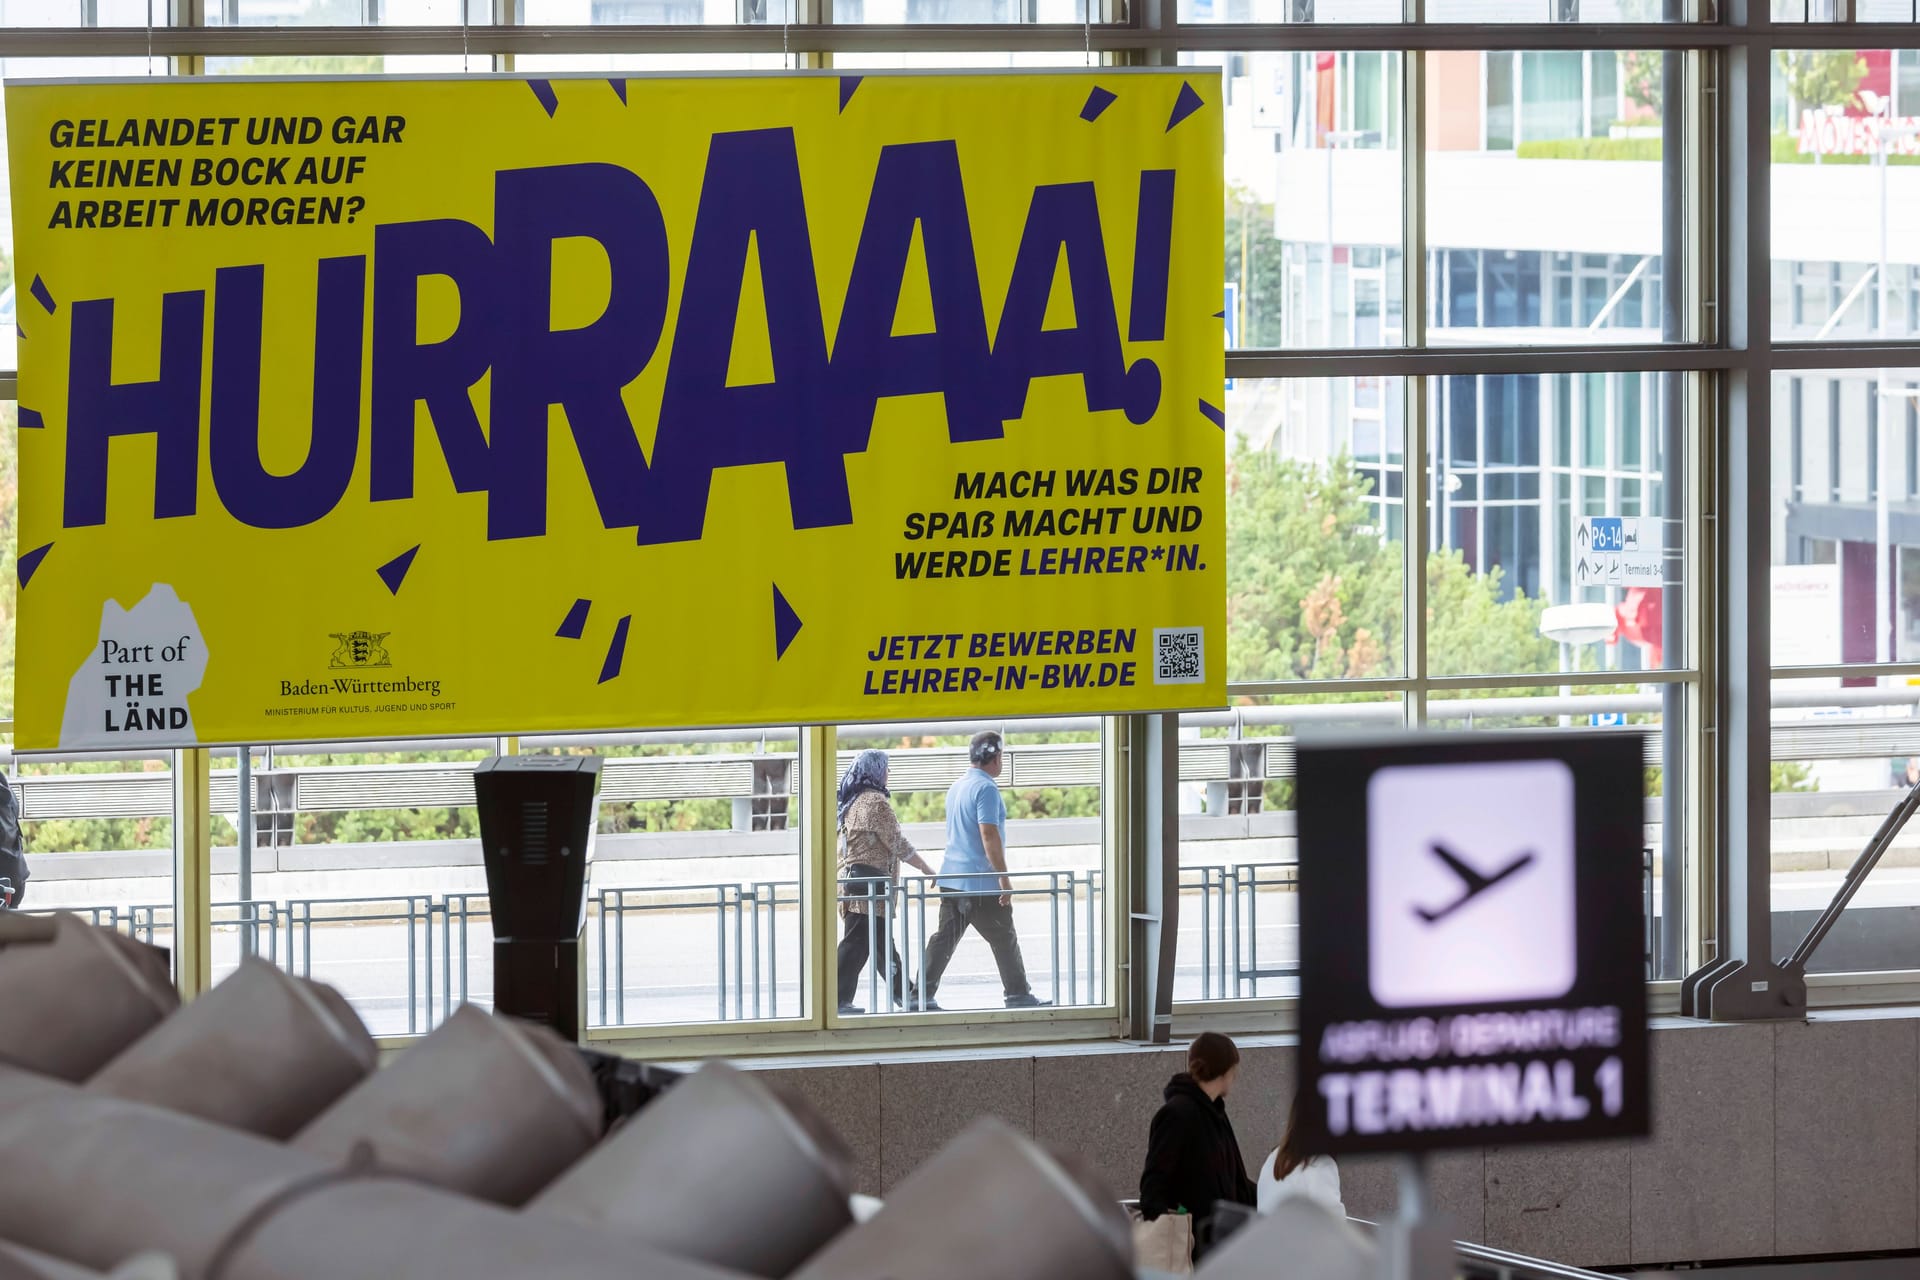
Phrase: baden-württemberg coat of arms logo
(361,649)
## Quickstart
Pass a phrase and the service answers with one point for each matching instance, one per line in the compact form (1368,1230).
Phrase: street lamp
(1570,625)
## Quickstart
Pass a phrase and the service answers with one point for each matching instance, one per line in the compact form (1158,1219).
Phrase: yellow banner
(395,408)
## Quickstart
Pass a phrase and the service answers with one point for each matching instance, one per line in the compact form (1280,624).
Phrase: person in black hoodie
(1193,1159)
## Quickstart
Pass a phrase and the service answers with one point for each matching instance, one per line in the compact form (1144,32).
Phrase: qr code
(1179,655)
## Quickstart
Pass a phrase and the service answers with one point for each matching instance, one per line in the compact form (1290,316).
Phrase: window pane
(694,912)
(1531,11)
(346,13)
(1290,11)
(1544,197)
(84,13)
(1520,582)
(1806,10)
(656,63)
(367,876)
(1455,114)
(1603,95)
(1845,180)
(108,858)
(1552,92)
(1313,198)
(356,849)
(957,12)
(1654,713)
(1316,517)
(1846,518)
(654,13)
(1239,916)
(1048,942)
(1844,753)
(351,65)
(948,61)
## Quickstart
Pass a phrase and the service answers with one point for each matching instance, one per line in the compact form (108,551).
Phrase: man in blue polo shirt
(974,889)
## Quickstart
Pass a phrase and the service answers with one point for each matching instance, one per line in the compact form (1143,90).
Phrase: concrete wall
(1769,1140)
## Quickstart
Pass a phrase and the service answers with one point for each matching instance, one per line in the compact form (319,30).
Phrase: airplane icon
(1476,884)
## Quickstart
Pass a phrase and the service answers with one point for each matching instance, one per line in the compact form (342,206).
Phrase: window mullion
(1413,323)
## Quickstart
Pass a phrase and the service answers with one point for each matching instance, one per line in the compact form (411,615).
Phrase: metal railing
(140,921)
(1228,897)
(754,956)
(442,956)
(900,925)
(746,943)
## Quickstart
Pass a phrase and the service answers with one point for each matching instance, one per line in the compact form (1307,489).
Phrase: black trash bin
(537,821)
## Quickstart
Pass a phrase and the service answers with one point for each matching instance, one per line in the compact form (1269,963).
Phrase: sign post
(1471,953)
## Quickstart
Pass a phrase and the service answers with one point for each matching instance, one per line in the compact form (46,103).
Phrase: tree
(1640,68)
(332,13)
(1263,282)
(1313,592)
(1640,78)
(1822,77)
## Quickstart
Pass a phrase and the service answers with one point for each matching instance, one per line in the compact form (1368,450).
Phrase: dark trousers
(960,910)
(855,944)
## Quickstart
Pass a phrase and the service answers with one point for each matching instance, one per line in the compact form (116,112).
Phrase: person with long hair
(1290,1172)
(1193,1159)
(872,848)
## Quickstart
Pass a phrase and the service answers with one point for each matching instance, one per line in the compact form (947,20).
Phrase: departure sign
(1471,941)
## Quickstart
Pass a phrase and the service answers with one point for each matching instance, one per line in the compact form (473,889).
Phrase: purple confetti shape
(42,295)
(619,87)
(1220,314)
(19,332)
(575,624)
(543,90)
(394,571)
(847,85)
(30,419)
(786,624)
(1097,101)
(1185,105)
(31,561)
(616,650)
(1218,417)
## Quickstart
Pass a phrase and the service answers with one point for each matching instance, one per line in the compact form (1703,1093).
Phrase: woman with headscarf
(871,851)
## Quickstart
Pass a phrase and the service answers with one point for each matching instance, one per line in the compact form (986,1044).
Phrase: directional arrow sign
(1619,551)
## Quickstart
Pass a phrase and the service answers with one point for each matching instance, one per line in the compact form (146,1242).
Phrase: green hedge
(1591,149)
(1786,150)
